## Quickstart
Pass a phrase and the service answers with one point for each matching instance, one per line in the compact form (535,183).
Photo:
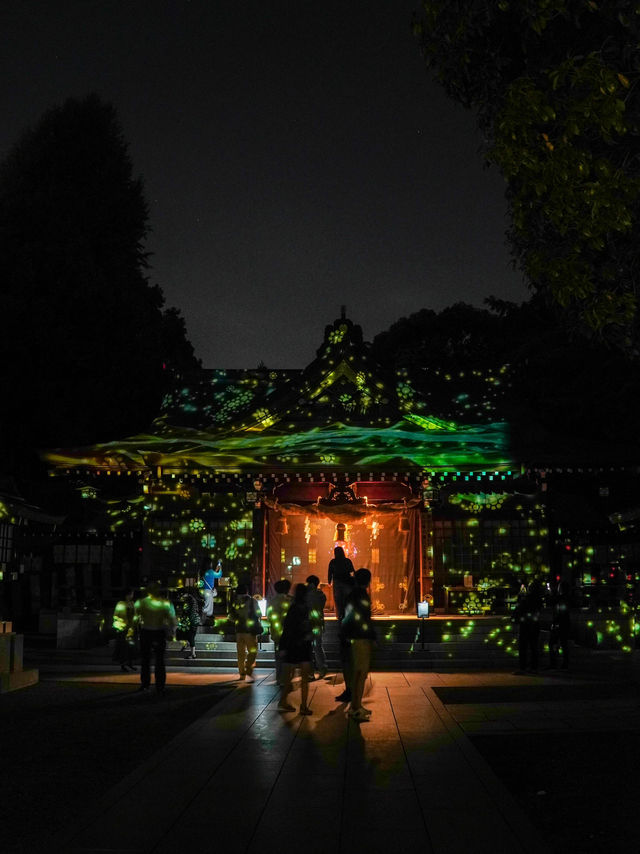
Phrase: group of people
(149,621)
(297,625)
(128,623)
(527,617)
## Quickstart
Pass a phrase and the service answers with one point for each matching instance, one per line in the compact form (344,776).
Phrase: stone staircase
(438,644)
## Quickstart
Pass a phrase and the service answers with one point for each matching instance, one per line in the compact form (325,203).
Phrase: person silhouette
(295,648)
(528,615)
(247,619)
(277,609)
(124,626)
(340,575)
(316,600)
(157,618)
(358,631)
(560,626)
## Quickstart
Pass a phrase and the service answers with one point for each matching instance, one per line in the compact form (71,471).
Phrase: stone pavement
(260,780)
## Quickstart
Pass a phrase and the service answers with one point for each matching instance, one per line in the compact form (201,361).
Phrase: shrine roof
(343,410)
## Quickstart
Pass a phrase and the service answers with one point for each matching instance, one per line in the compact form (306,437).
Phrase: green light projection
(415,441)
(344,410)
(196,530)
(473,502)
(497,541)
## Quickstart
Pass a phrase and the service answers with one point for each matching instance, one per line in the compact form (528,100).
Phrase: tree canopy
(555,87)
(85,342)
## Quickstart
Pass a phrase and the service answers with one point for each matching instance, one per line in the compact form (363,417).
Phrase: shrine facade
(269,470)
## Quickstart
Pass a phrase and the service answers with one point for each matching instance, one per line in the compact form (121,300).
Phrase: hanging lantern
(340,532)
(281,526)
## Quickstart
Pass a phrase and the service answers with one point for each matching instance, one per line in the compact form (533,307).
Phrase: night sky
(296,157)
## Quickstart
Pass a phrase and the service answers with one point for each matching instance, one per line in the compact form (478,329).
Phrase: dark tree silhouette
(558,391)
(85,344)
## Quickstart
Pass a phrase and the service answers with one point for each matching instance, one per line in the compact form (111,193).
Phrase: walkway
(270,782)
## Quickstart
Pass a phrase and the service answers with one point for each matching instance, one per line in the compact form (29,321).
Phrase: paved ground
(409,778)
(416,776)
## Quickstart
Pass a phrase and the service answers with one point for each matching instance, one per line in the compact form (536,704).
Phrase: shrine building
(268,470)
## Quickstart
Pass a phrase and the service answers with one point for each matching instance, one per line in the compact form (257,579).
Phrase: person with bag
(188,623)
(295,649)
(247,620)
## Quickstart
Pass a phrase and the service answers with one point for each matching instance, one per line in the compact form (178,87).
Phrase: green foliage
(84,335)
(555,86)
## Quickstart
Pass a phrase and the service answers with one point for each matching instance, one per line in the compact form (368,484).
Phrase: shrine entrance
(382,535)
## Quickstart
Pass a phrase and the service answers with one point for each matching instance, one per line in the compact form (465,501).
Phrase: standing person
(247,619)
(341,576)
(277,609)
(209,590)
(560,626)
(188,623)
(528,616)
(357,628)
(295,648)
(124,620)
(316,600)
(157,618)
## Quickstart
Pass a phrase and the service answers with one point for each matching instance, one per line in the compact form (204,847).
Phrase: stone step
(398,653)
(419,663)
(441,644)
(433,631)
(475,648)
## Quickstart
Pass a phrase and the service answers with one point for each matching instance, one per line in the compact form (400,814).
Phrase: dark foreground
(64,744)
(566,750)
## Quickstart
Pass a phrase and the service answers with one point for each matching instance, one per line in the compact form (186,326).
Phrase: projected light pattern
(343,410)
(500,541)
(419,443)
(194,529)
(473,502)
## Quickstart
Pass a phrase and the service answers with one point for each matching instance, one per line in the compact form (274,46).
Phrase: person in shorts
(358,632)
